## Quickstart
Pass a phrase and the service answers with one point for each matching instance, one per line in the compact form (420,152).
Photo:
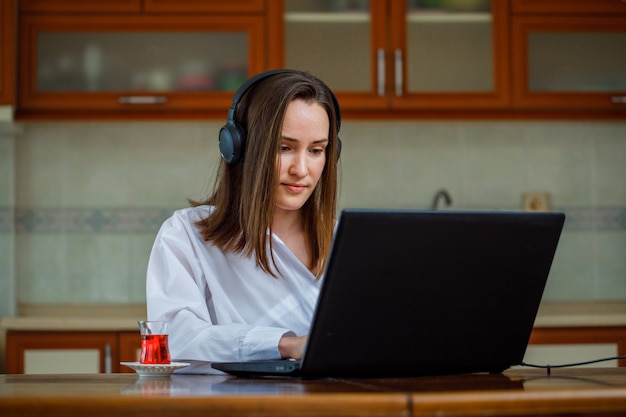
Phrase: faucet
(441,194)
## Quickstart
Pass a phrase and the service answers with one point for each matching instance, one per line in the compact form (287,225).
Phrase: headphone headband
(232,136)
(250,82)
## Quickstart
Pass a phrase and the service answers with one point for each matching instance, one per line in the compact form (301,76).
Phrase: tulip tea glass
(154,344)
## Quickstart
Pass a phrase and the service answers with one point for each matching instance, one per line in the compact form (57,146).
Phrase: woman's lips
(295,188)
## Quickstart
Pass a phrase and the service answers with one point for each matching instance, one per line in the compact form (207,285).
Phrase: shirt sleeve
(177,292)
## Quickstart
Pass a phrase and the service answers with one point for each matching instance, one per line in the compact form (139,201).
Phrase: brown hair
(244,194)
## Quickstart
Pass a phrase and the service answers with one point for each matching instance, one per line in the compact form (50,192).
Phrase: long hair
(244,194)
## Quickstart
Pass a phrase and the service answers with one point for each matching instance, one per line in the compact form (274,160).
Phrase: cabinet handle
(142,100)
(107,359)
(618,99)
(381,72)
(398,74)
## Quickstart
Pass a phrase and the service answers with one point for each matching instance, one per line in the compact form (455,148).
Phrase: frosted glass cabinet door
(451,54)
(577,62)
(147,62)
(570,62)
(181,62)
(449,46)
(333,32)
(343,42)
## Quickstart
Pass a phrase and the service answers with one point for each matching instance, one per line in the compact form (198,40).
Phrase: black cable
(548,368)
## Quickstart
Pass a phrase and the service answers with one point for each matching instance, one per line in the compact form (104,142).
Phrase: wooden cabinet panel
(93,6)
(129,349)
(568,6)
(160,6)
(7,52)
(244,6)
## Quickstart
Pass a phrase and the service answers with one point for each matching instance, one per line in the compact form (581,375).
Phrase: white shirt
(220,305)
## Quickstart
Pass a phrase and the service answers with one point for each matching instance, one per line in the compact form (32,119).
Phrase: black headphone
(232,139)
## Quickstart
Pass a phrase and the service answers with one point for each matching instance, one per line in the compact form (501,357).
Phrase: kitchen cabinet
(70,351)
(120,58)
(403,55)
(385,59)
(569,55)
(7,52)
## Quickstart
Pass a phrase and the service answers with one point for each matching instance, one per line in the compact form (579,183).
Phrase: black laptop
(410,293)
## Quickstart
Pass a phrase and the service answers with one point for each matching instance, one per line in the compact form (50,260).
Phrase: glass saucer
(157,370)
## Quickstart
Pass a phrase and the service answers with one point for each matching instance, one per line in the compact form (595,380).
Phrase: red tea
(154,349)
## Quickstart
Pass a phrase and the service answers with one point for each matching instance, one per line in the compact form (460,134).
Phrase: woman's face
(302,153)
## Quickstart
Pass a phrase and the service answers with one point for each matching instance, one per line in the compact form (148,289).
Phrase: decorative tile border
(100,220)
(148,220)
(601,219)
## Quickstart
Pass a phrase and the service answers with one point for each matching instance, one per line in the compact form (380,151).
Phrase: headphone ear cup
(232,142)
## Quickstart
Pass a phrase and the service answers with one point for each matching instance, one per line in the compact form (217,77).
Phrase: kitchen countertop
(582,314)
(76,318)
(124,318)
(69,323)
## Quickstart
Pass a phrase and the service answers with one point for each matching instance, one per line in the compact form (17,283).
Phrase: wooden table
(582,391)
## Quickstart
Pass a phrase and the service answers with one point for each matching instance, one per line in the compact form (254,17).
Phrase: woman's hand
(292,346)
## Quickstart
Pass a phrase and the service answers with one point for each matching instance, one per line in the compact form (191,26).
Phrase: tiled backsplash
(82,206)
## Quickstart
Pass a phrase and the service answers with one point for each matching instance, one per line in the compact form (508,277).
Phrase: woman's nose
(298,165)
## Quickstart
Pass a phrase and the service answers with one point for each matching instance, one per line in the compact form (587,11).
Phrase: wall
(89,197)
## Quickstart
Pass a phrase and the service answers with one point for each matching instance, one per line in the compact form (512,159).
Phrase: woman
(238,275)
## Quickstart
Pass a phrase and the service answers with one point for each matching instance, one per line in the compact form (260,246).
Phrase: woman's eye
(317,151)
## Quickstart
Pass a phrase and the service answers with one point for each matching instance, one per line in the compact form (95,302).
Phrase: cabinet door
(7,52)
(450,55)
(344,44)
(570,62)
(136,63)
(569,6)
(61,352)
